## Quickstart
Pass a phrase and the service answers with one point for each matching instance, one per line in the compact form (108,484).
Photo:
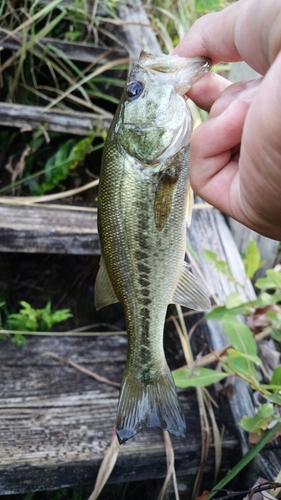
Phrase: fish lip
(180,72)
(163,63)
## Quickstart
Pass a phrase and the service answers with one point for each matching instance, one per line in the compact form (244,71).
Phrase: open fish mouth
(177,71)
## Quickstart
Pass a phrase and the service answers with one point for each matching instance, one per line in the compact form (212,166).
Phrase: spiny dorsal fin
(104,293)
(189,293)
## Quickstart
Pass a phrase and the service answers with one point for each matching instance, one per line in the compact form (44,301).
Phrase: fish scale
(142,206)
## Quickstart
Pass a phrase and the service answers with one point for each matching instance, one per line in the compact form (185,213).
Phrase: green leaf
(275,318)
(273,280)
(18,340)
(238,364)
(32,320)
(219,311)
(234,300)
(268,299)
(81,149)
(232,353)
(216,313)
(240,336)
(221,265)
(274,398)
(271,387)
(260,421)
(26,306)
(67,157)
(276,376)
(276,334)
(196,377)
(61,315)
(252,259)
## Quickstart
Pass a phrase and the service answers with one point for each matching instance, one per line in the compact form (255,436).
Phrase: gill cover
(155,119)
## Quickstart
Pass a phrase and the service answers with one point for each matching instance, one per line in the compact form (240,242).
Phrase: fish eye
(134,89)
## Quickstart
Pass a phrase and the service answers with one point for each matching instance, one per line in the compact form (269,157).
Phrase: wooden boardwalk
(55,421)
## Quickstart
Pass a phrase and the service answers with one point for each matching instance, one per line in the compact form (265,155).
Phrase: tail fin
(149,403)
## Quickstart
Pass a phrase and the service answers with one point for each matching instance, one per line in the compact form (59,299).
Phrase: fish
(142,205)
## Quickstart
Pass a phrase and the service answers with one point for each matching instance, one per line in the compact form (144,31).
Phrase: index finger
(207,90)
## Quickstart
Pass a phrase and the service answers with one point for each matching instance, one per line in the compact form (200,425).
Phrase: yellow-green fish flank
(142,222)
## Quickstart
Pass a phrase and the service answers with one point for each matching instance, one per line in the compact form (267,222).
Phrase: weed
(31,320)
(171,19)
(241,358)
(38,70)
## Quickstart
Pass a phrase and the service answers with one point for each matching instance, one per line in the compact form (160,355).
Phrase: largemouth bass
(142,222)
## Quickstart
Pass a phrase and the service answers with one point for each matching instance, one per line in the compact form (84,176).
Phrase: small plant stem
(250,381)
(275,492)
(184,337)
(107,66)
(250,455)
(62,334)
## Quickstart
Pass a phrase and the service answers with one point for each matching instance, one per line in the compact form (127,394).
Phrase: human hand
(236,153)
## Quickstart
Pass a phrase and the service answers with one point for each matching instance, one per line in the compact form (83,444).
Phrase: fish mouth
(180,72)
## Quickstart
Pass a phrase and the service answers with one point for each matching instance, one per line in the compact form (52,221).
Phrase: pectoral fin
(163,199)
(189,293)
(104,293)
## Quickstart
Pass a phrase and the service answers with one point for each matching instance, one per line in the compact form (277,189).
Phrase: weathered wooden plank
(34,117)
(74,51)
(56,422)
(268,248)
(48,230)
(137,30)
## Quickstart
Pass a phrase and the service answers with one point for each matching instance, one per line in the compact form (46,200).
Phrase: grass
(39,73)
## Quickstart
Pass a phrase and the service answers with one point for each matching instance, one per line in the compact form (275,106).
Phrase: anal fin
(189,293)
(104,293)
